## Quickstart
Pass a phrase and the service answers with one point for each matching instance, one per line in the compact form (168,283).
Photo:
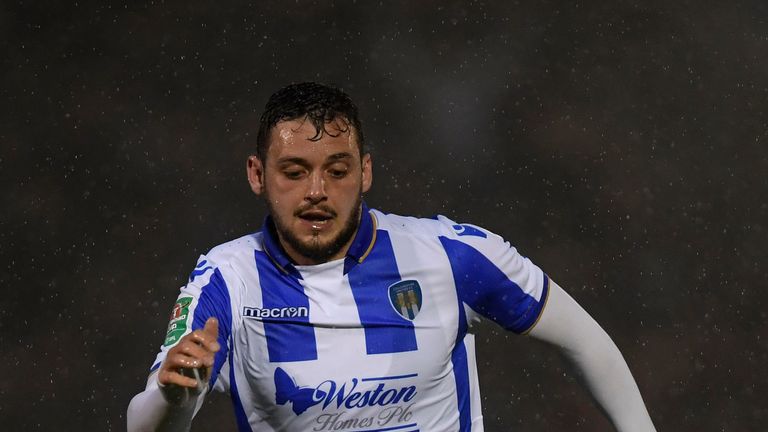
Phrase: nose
(316,189)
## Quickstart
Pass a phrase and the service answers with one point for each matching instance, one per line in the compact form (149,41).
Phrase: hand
(187,367)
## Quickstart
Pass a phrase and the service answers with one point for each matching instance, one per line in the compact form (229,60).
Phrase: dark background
(621,146)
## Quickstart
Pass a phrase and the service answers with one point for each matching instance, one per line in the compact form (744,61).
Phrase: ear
(255,171)
(367,172)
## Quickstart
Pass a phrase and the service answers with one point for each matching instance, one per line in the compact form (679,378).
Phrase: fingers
(211,333)
(206,337)
(180,368)
(194,356)
(172,375)
(197,355)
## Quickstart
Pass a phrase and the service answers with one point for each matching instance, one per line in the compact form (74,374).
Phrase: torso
(392,375)
(378,341)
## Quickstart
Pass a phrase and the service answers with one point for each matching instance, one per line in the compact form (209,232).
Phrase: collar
(361,245)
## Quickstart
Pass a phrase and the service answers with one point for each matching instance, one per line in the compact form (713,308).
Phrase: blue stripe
(461,375)
(214,302)
(385,330)
(273,249)
(390,377)
(461,370)
(487,290)
(240,417)
(198,271)
(468,230)
(288,339)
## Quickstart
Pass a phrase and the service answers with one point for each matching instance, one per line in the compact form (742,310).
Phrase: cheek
(278,195)
(284,188)
(346,195)
(343,194)
(350,184)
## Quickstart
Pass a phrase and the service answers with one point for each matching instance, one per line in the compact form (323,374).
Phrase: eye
(337,173)
(294,174)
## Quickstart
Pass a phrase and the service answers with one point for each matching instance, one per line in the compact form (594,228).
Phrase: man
(339,317)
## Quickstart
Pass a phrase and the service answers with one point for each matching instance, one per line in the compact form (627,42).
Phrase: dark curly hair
(318,103)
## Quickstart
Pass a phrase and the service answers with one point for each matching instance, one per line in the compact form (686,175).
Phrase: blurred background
(620,145)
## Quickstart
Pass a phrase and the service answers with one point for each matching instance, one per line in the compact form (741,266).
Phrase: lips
(316,216)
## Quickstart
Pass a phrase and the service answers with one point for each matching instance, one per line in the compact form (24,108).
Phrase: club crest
(405,297)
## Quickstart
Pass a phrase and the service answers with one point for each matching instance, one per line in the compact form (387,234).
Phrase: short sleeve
(493,279)
(205,295)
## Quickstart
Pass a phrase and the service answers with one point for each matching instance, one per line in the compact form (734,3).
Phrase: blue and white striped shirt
(380,340)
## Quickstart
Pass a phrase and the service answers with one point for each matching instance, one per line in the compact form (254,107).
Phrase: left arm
(566,325)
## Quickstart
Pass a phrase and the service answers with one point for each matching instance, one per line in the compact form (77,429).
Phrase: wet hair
(317,103)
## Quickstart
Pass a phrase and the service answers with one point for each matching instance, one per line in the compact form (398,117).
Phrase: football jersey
(380,340)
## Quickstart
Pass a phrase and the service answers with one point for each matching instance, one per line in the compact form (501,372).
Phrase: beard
(316,250)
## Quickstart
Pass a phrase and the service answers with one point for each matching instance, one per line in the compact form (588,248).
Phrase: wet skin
(313,188)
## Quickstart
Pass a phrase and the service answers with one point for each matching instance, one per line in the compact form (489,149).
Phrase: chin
(322,243)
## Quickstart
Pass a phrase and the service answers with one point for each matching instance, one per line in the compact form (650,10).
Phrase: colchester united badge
(405,297)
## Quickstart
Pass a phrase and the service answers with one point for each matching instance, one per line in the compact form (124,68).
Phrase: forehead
(300,138)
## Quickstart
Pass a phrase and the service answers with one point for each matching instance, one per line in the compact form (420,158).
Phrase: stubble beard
(315,250)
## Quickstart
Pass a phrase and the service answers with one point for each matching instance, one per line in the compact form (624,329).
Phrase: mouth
(316,218)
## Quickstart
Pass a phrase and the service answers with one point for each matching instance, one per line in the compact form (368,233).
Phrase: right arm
(176,391)
(196,342)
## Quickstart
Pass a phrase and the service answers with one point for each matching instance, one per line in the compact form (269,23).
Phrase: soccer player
(338,317)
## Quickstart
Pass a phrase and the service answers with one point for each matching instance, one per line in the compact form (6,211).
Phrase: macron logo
(284,312)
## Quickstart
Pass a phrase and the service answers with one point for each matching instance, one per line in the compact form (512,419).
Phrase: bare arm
(566,325)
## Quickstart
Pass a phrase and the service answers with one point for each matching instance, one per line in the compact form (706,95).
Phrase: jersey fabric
(380,340)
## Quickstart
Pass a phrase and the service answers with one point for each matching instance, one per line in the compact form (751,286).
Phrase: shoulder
(234,249)
(229,260)
(438,226)
(462,242)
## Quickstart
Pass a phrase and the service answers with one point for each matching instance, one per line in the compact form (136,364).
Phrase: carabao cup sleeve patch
(179,318)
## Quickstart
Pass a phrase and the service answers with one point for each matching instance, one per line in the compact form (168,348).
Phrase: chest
(328,314)
(332,341)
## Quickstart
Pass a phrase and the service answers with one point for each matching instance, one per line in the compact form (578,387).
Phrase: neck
(300,259)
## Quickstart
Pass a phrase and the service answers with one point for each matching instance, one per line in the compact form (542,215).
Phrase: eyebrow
(293,160)
(303,162)
(339,156)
